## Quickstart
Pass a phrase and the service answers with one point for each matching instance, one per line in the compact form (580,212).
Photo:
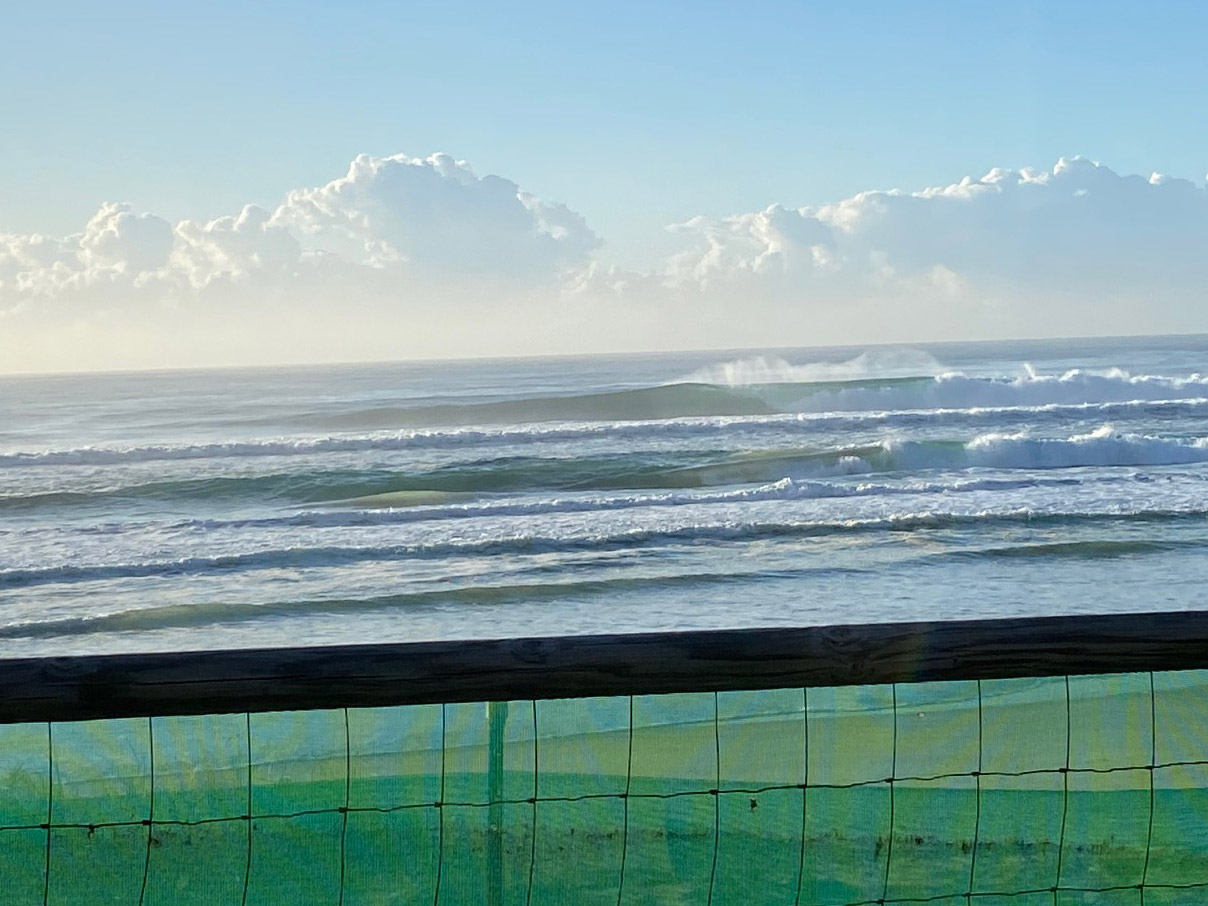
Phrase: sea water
(394,502)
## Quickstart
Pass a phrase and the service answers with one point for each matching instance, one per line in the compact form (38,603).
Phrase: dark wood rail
(282,679)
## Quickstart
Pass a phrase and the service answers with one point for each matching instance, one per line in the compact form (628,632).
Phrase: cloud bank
(421,257)
(1073,250)
(418,219)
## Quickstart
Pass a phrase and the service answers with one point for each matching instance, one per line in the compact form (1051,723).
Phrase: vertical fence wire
(1065,792)
(625,807)
(892,781)
(497,719)
(716,791)
(347,804)
(50,806)
(142,891)
(247,817)
(440,810)
(805,783)
(1153,760)
(528,897)
(978,800)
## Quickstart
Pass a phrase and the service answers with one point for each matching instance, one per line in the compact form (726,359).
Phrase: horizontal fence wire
(1071,790)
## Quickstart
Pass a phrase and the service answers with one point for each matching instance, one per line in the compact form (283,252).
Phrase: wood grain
(283,679)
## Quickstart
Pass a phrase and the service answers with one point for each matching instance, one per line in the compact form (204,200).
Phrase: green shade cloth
(1054,791)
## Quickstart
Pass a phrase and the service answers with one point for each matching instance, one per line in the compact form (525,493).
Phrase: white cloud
(117,240)
(1079,228)
(438,218)
(234,249)
(420,256)
(1074,250)
(407,219)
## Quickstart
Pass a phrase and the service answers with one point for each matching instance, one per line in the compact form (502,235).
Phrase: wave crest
(533,544)
(877,363)
(955,390)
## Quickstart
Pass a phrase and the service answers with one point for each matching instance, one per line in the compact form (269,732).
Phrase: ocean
(395,502)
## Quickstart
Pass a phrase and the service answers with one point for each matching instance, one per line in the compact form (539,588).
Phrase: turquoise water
(502,498)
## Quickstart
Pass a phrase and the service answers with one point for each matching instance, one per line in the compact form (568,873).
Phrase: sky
(485,179)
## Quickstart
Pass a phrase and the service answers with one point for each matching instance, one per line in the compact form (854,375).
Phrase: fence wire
(1027,791)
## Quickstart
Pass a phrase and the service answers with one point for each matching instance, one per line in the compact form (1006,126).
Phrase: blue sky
(248,183)
(636,114)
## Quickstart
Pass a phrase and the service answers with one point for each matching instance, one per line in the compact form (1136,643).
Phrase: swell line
(383,441)
(322,557)
(1103,447)
(190,615)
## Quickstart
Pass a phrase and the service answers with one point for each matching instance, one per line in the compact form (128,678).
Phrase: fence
(1054,761)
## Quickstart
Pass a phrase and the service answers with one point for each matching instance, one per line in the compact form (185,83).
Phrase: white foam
(1103,447)
(534,544)
(423,439)
(787,489)
(886,363)
(950,399)
(1029,390)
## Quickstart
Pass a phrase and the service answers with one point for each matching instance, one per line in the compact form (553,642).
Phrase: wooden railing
(285,679)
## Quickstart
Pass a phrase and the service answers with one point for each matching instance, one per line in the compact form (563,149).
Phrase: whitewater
(262,507)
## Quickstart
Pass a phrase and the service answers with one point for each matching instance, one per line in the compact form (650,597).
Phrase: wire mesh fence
(1055,791)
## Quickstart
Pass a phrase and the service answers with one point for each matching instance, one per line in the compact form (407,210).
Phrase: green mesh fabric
(1054,791)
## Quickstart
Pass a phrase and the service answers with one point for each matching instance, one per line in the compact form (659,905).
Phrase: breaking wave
(382,510)
(1103,447)
(696,409)
(958,391)
(867,366)
(801,467)
(722,427)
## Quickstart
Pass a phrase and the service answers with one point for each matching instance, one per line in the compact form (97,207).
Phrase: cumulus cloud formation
(420,256)
(410,218)
(995,252)
(437,217)
(1077,227)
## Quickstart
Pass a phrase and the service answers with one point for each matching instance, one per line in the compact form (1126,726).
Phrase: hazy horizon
(739,351)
